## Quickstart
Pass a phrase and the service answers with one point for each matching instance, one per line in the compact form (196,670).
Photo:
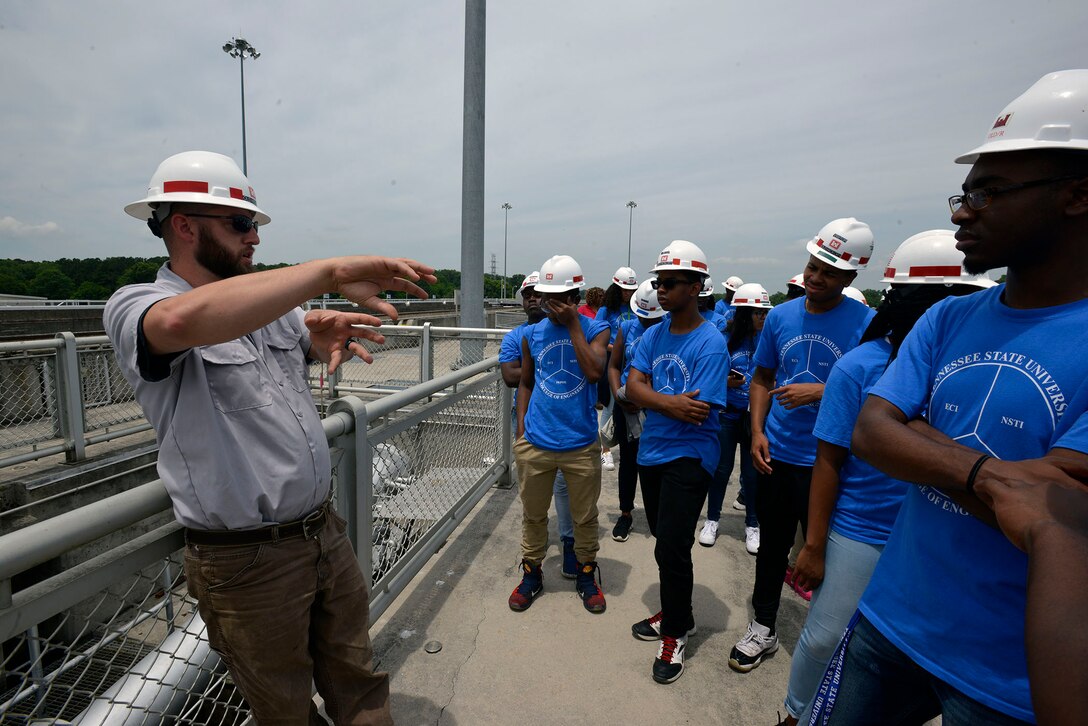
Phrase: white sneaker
(669,663)
(709,535)
(738,504)
(606,461)
(751,649)
(751,540)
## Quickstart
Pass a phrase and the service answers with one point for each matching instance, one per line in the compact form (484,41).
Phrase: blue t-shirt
(632,334)
(868,499)
(510,351)
(561,414)
(675,364)
(950,591)
(715,319)
(742,359)
(614,319)
(801,347)
(726,310)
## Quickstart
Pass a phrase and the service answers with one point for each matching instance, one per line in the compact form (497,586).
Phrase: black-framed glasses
(240,222)
(978,199)
(669,283)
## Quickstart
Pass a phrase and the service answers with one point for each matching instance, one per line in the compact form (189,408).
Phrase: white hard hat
(855,294)
(644,302)
(1052,114)
(931,258)
(682,255)
(625,278)
(201,177)
(559,274)
(733,283)
(530,280)
(752,295)
(843,243)
(797,280)
(708,288)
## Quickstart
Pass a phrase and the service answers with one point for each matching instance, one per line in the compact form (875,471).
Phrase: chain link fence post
(70,399)
(426,354)
(355,476)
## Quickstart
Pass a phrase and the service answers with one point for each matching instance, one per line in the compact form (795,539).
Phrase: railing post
(70,399)
(333,380)
(356,476)
(506,421)
(426,354)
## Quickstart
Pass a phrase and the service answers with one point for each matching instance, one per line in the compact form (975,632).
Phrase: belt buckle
(312,523)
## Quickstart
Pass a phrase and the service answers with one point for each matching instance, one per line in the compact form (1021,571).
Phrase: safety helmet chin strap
(158,216)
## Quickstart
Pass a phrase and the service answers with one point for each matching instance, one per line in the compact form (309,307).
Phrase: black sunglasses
(669,283)
(240,222)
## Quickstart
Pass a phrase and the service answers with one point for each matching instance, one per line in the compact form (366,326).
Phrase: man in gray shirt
(218,361)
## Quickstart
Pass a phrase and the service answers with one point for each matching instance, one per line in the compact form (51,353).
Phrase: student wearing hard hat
(801,340)
(627,416)
(510,367)
(724,307)
(614,310)
(706,307)
(1000,378)
(678,377)
(562,357)
(852,506)
(795,288)
(217,356)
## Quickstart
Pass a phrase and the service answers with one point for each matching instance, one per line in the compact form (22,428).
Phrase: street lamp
(240,49)
(505,225)
(630,221)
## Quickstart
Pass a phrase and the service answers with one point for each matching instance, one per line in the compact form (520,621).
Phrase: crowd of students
(933,452)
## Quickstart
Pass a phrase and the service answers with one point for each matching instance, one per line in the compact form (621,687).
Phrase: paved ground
(557,663)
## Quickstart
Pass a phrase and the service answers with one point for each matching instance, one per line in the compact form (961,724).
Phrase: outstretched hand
(331,334)
(362,278)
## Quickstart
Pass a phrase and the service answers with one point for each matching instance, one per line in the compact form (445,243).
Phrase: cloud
(745,260)
(11,227)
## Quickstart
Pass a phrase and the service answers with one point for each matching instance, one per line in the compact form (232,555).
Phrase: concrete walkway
(558,664)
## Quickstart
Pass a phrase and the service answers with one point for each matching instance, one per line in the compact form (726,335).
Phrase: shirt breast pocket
(235,379)
(285,349)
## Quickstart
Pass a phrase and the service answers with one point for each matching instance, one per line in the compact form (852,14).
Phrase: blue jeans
(848,565)
(731,434)
(880,684)
(562,507)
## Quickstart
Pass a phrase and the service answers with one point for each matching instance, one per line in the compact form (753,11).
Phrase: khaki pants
(536,474)
(286,615)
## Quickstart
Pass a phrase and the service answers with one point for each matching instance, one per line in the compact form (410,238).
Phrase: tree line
(96,279)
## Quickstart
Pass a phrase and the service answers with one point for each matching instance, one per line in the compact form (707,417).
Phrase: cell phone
(734,373)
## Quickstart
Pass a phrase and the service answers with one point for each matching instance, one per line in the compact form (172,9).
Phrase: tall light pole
(505,226)
(240,49)
(630,221)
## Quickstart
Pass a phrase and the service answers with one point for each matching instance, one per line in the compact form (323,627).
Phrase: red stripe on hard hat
(863,260)
(700,265)
(578,278)
(935,270)
(236,193)
(185,186)
(889,272)
(845,256)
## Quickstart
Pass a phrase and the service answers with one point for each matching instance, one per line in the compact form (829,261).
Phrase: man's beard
(216,259)
(535,315)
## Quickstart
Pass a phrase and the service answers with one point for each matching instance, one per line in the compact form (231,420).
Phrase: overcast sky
(741,127)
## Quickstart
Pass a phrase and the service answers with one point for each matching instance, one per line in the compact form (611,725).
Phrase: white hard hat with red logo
(682,255)
(843,243)
(733,283)
(752,295)
(797,280)
(530,280)
(708,288)
(201,177)
(1052,114)
(625,278)
(931,258)
(644,302)
(560,274)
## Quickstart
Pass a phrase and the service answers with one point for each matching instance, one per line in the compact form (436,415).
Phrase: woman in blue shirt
(852,506)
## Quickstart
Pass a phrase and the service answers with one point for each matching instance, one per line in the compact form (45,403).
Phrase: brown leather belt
(308,527)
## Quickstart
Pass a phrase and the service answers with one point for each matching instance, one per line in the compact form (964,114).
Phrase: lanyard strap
(824,702)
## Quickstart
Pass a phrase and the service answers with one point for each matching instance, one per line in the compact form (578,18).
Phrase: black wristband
(974,472)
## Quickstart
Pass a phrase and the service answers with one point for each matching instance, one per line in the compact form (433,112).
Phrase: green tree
(51,283)
(778,298)
(139,271)
(88,290)
(873,297)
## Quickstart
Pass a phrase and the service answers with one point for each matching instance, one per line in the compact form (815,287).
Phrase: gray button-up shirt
(240,441)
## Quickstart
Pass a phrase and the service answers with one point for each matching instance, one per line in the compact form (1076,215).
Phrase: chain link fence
(29,411)
(96,624)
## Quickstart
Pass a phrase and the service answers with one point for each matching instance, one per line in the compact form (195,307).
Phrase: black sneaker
(532,582)
(650,628)
(570,560)
(623,528)
(669,663)
(758,643)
